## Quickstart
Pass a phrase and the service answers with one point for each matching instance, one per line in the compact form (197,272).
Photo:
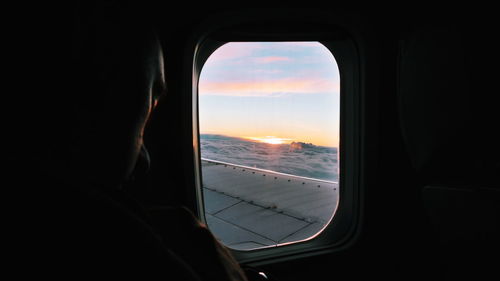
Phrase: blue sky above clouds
(287,90)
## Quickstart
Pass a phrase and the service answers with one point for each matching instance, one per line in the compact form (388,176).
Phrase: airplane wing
(248,208)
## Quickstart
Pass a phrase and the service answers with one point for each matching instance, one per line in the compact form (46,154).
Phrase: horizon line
(251,140)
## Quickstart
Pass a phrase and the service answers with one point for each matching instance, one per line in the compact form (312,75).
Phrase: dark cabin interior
(429,142)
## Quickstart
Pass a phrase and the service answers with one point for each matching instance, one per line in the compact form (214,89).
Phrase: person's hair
(111,38)
(111,41)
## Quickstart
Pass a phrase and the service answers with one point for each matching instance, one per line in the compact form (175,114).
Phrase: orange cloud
(268,88)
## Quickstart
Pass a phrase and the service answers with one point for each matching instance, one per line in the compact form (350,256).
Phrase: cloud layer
(298,159)
(268,87)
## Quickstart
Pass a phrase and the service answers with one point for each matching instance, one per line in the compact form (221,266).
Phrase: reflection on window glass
(269,136)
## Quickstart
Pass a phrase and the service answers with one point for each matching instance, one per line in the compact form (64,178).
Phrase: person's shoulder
(91,230)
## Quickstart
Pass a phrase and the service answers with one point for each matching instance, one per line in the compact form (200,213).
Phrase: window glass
(269,115)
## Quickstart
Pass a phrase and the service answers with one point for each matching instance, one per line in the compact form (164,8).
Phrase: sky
(274,92)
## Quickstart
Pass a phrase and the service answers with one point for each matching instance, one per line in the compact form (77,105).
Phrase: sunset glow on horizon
(271,92)
(270,139)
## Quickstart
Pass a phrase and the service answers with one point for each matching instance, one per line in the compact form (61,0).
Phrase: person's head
(117,78)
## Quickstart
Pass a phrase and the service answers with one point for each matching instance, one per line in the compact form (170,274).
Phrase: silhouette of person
(88,225)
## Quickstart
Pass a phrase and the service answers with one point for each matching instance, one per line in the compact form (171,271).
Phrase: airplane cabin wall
(429,119)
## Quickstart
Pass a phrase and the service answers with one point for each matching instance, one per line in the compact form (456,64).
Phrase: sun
(269,139)
(273,141)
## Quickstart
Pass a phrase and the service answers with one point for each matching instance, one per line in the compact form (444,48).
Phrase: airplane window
(269,116)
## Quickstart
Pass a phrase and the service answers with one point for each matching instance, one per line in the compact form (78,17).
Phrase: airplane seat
(453,149)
